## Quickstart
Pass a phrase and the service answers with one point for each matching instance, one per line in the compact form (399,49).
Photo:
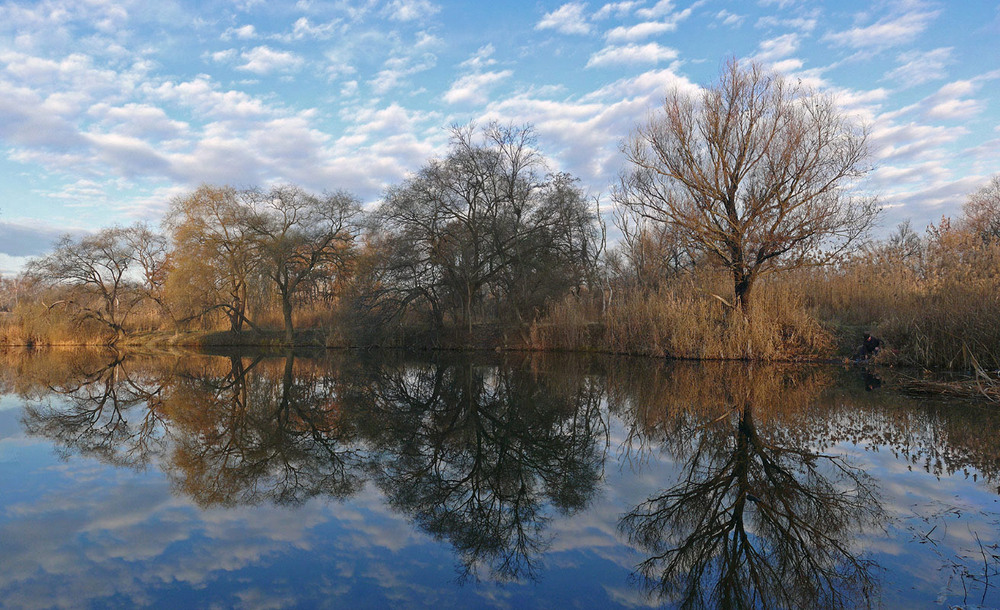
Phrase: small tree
(981,212)
(754,172)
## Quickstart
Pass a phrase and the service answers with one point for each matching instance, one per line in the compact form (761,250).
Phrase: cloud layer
(107,110)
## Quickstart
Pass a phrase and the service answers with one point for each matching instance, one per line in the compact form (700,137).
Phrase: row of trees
(752,176)
(220,243)
(484,230)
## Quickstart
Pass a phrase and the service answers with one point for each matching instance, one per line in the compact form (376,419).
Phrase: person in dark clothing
(871,346)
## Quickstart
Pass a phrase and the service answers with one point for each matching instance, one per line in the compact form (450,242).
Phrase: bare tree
(755,172)
(298,235)
(95,276)
(213,255)
(150,258)
(488,221)
(981,212)
(652,251)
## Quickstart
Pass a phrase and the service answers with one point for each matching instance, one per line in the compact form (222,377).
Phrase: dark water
(378,481)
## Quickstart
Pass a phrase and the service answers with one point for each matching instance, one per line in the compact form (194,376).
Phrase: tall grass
(686,319)
(937,310)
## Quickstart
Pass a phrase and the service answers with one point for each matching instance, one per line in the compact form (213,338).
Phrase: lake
(375,480)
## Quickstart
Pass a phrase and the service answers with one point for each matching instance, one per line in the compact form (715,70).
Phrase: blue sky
(108,109)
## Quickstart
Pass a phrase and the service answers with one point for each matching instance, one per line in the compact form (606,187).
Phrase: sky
(110,109)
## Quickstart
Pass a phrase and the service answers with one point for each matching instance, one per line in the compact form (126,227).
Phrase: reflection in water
(758,518)
(764,507)
(474,453)
(112,412)
(260,431)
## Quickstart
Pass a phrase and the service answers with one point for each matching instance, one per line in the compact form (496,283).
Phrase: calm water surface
(379,481)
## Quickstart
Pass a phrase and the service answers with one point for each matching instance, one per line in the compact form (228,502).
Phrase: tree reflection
(758,517)
(261,431)
(475,454)
(110,410)
(484,455)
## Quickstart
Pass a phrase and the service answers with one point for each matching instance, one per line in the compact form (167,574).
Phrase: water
(376,480)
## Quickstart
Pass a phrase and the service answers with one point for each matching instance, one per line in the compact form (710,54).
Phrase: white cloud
(651,53)
(265,60)
(246,32)
(475,88)
(804,24)
(904,143)
(660,9)
(777,48)
(129,156)
(639,31)
(410,10)
(730,19)
(482,58)
(396,69)
(338,63)
(918,67)
(349,88)
(955,110)
(426,41)
(567,19)
(616,9)
(139,120)
(887,32)
(224,56)
(202,95)
(305,29)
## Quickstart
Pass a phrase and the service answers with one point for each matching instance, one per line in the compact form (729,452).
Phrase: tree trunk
(467,307)
(742,283)
(286,312)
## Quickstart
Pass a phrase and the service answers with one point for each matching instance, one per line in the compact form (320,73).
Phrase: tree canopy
(754,171)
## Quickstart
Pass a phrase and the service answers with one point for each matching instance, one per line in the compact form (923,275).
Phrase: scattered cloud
(246,32)
(804,24)
(774,49)
(265,60)
(616,9)
(567,19)
(95,93)
(411,10)
(397,69)
(651,53)
(639,31)
(304,29)
(730,19)
(475,88)
(887,32)
(918,67)
(482,58)
(661,9)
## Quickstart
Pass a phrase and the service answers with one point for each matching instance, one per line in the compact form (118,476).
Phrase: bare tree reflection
(262,431)
(109,410)
(758,517)
(476,454)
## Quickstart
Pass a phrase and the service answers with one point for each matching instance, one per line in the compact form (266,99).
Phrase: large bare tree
(102,277)
(754,171)
(297,236)
(488,223)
